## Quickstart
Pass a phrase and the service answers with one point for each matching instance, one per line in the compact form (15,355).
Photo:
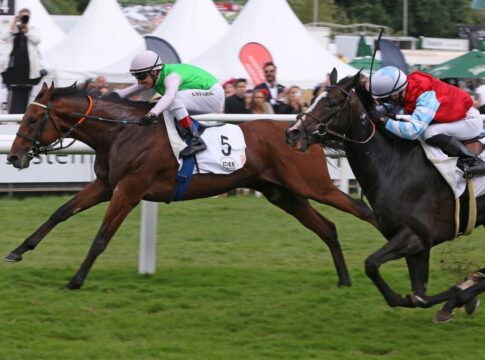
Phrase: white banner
(58,168)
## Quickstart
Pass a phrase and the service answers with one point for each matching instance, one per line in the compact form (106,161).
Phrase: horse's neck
(93,133)
(369,160)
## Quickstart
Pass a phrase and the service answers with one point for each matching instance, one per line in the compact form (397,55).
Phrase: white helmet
(387,81)
(145,61)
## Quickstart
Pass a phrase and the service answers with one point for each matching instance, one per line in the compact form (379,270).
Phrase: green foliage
(236,279)
(327,11)
(436,18)
(61,7)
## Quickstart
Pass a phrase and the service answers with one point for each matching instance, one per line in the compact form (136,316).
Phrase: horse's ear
(357,78)
(44,87)
(52,85)
(333,77)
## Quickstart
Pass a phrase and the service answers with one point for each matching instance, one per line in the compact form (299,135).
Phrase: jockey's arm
(129,91)
(426,106)
(172,83)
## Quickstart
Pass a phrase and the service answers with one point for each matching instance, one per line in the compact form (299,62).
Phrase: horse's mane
(82,91)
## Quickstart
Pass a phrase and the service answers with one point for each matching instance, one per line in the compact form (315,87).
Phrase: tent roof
(191,27)
(50,32)
(102,36)
(299,58)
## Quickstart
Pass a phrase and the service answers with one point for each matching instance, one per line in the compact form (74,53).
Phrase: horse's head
(329,119)
(35,130)
(43,123)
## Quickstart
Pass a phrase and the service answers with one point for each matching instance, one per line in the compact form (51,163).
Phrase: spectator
(228,87)
(103,90)
(98,86)
(343,58)
(20,67)
(480,91)
(273,91)
(294,102)
(317,90)
(236,103)
(258,104)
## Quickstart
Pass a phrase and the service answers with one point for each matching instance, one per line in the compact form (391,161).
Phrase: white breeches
(196,101)
(468,128)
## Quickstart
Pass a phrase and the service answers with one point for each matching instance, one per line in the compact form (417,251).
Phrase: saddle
(474,145)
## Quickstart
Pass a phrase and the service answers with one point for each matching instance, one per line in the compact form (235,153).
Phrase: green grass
(242,280)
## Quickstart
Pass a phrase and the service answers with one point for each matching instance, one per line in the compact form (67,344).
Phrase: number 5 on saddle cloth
(225,153)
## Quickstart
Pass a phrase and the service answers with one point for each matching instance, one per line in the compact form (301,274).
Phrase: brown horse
(135,163)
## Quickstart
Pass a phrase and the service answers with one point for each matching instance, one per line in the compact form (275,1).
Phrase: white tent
(192,27)
(103,36)
(51,34)
(299,58)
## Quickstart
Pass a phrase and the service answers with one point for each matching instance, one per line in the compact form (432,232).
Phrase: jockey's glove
(148,119)
(383,120)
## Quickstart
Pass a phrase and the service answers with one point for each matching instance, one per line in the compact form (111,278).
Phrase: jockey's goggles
(141,75)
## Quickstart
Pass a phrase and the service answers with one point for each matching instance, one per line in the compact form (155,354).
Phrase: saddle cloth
(451,173)
(226,147)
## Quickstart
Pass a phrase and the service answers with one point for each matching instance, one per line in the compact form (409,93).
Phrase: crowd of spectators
(269,97)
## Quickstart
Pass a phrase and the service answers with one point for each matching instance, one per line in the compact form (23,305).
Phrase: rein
(322,127)
(37,148)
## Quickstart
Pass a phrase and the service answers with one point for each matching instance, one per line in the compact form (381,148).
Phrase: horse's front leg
(126,196)
(403,244)
(418,267)
(93,194)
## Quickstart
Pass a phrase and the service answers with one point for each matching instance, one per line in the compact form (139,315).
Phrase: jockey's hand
(148,119)
(390,115)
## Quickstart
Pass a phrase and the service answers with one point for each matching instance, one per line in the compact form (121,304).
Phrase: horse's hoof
(416,300)
(72,286)
(442,317)
(344,284)
(12,257)
(472,305)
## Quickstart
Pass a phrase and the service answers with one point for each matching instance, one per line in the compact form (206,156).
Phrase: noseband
(322,124)
(37,148)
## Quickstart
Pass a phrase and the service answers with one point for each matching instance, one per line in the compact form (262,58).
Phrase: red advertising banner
(253,55)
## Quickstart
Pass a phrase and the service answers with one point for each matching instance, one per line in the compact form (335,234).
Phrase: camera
(24,19)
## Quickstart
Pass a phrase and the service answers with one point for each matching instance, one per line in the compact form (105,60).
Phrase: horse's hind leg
(339,200)
(93,194)
(301,209)
(125,197)
(461,298)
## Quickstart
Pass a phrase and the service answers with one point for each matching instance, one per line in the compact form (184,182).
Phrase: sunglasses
(141,76)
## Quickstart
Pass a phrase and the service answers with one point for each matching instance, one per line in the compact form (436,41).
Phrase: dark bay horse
(135,163)
(414,206)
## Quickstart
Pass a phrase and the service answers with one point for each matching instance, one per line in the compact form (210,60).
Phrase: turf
(236,279)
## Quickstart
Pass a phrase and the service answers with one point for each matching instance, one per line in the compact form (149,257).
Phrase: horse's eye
(331,104)
(32,120)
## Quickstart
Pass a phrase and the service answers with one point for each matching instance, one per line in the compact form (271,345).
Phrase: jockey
(441,114)
(184,88)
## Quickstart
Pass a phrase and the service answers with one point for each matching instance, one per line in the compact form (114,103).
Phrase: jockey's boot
(196,143)
(470,163)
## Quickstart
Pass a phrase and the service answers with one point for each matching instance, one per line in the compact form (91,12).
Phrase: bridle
(37,148)
(322,128)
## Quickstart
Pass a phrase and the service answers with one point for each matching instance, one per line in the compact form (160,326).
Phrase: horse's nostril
(11,159)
